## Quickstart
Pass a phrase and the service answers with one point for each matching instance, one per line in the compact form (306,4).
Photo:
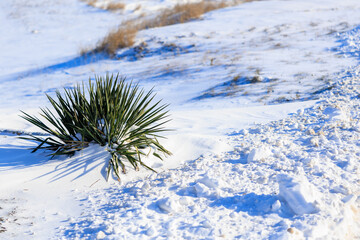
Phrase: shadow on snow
(16,157)
(72,63)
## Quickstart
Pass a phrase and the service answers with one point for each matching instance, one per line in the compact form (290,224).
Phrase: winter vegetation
(109,113)
(124,35)
(263,141)
(111,6)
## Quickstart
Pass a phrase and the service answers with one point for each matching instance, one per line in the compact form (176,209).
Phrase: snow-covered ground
(265,100)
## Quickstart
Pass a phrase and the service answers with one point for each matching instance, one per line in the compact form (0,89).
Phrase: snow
(168,205)
(264,98)
(259,154)
(298,193)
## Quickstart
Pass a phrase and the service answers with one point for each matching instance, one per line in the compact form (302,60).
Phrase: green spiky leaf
(108,112)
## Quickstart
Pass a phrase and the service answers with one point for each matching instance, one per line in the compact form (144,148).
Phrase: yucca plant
(109,112)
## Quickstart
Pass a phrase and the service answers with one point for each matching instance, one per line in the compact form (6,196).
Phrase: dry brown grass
(115,6)
(125,35)
(122,37)
(183,13)
(90,2)
(112,6)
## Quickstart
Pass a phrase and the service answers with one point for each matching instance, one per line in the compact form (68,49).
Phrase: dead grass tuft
(112,6)
(122,37)
(90,2)
(184,13)
(125,35)
(115,6)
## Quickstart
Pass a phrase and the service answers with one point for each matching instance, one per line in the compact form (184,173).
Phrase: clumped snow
(265,102)
(307,186)
(298,193)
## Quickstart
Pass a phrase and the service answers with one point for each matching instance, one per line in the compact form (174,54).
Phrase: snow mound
(168,205)
(335,114)
(259,154)
(209,182)
(299,194)
(350,43)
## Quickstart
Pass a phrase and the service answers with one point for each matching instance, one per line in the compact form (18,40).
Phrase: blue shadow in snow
(241,159)
(13,157)
(253,204)
(346,47)
(131,54)
(78,165)
(72,63)
(19,157)
(231,87)
(141,51)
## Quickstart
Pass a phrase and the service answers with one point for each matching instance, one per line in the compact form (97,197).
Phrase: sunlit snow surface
(295,62)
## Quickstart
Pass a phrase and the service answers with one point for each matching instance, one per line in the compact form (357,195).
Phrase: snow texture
(298,193)
(265,101)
